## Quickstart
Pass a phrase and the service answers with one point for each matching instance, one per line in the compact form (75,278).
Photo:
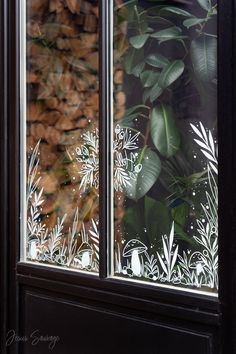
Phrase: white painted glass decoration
(61,119)
(165,96)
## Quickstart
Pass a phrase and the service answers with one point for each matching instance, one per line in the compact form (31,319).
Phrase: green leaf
(146,177)
(149,78)
(165,134)
(171,73)
(157,60)
(168,34)
(127,121)
(156,92)
(132,113)
(205,4)
(180,213)
(176,11)
(193,22)
(146,94)
(135,108)
(182,235)
(159,21)
(204,57)
(194,178)
(134,221)
(139,18)
(133,60)
(138,69)
(138,41)
(157,219)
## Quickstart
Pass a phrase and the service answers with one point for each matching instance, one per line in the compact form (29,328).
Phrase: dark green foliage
(170,56)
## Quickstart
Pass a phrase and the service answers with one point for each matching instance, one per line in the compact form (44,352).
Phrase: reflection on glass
(62,133)
(165,143)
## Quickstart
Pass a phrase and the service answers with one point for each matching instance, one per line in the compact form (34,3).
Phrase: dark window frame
(173,304)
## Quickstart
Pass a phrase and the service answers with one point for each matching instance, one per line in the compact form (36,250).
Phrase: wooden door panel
(85,329)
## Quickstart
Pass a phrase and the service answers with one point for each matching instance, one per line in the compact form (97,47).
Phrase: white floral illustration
(88,155)
(207,144)
(168,258)
(126,166)
(69,249)
(194,269)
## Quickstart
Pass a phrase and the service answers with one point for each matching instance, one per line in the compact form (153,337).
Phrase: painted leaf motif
(162,264)
(204,134)
(175,255)
(139,41)
(171,240)
(211,141)
(204,57)
(165,249)
(171,73)
(200,143)
(195,129)
(164,132)
(144,179)
(209,156)
(205,4)
(213,167)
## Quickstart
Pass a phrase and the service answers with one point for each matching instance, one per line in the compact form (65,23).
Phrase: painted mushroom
(84,255)
(33,250)
(196,262)
(133,249)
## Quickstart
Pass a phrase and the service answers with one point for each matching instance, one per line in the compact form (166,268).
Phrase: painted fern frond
(169,257)
(32,180)
(55,238)
(72,241)
(206,143)
(94,235)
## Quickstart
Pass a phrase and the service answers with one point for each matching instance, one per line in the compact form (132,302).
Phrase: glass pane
(61,120)
(165,143)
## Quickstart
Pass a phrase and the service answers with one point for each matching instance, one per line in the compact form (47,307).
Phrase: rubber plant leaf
(164,132)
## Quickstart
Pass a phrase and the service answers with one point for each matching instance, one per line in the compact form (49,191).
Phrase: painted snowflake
(126,165)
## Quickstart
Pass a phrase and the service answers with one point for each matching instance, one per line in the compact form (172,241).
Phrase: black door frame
(168,304)
(3,179)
